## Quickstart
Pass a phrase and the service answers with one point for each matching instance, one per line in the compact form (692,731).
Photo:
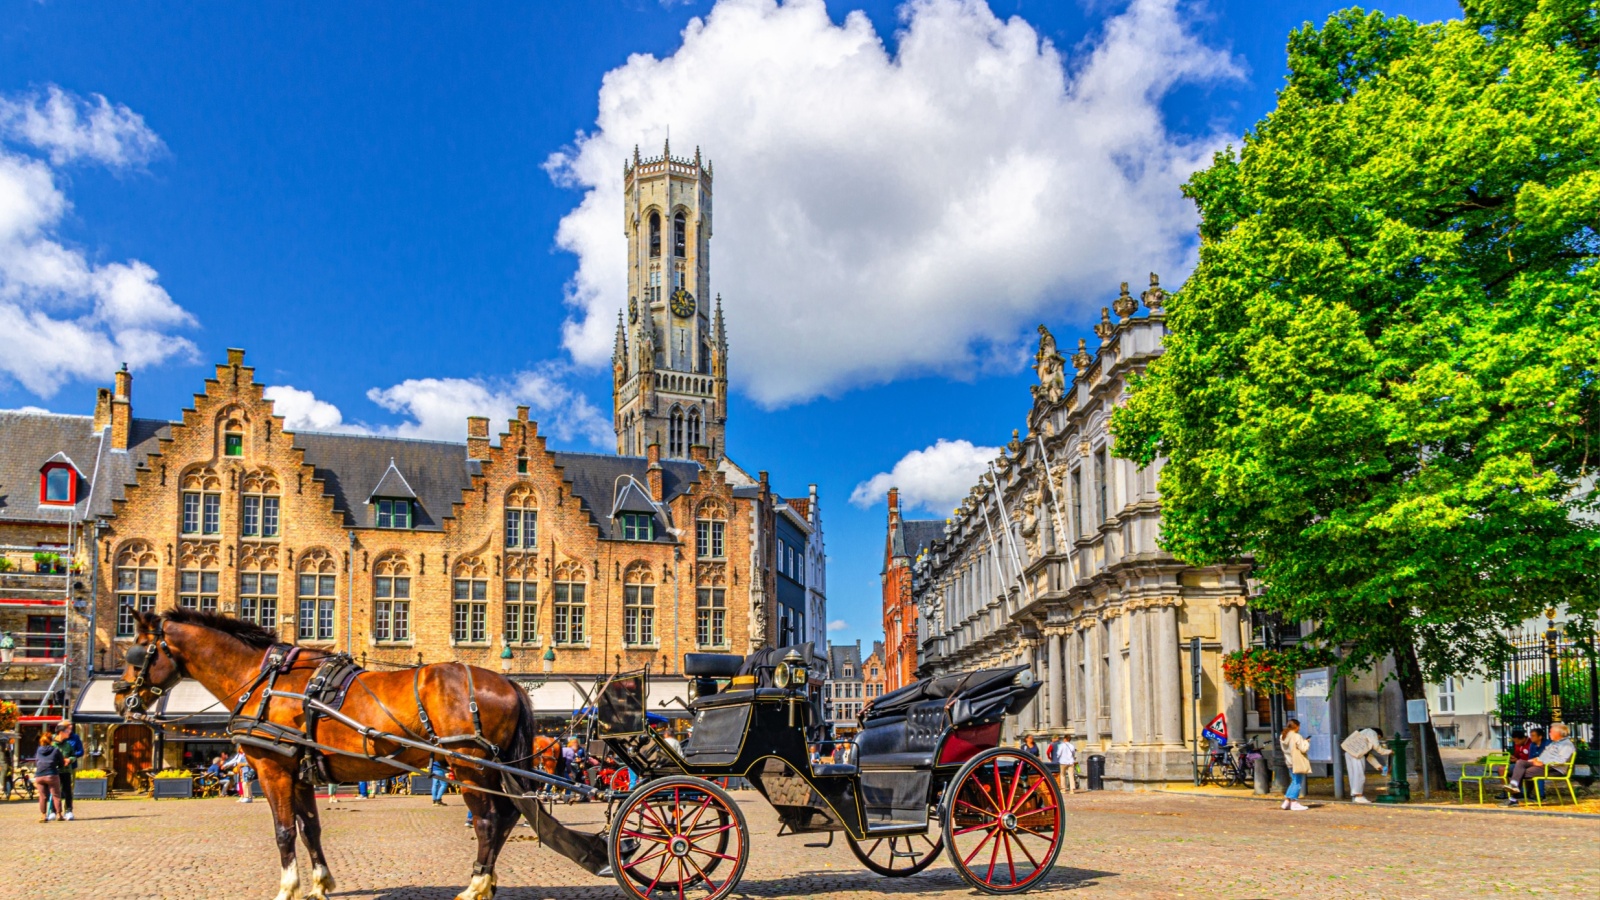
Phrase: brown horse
(226,656)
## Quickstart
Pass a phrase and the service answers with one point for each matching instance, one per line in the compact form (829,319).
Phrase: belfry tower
(670,363)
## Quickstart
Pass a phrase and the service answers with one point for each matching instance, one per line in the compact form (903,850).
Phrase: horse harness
(328,686)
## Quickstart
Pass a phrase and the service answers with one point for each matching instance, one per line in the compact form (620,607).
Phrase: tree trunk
(1411,685)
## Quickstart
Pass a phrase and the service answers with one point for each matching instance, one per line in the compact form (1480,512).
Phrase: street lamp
(549,659)
(505,659)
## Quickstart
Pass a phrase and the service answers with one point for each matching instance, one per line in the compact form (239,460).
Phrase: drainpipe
(94,589)
(677,603)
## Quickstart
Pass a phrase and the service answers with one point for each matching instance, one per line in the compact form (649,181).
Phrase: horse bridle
(144,656)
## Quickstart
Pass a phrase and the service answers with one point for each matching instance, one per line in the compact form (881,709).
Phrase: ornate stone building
(1052,562)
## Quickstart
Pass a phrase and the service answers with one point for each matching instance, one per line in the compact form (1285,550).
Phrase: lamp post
(506,656)
(549,659)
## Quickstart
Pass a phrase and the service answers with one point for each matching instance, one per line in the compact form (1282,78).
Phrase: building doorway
(131,755)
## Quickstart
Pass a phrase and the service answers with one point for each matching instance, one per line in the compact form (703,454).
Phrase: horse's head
(152,668)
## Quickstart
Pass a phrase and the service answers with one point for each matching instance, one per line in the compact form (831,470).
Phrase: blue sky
(407,211)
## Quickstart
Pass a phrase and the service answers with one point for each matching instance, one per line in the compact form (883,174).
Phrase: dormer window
(394,513)
(638,527)
(58,484)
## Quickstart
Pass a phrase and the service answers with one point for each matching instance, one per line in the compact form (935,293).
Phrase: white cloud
(69,128)
(437,408)
(63,316)
(878,215)
(837,625)
(935,478)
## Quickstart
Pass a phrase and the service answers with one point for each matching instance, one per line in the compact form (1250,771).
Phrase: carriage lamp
(1024,679)
(505,659)
(549,659)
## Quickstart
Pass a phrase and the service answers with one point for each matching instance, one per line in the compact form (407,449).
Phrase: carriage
(926,774)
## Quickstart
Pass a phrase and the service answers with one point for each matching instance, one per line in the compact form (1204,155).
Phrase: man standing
(1066,760)
(1556,755)
(71,751)
(1359,749)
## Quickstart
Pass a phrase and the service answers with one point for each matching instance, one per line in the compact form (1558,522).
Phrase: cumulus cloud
(437,408)
(838,625)
(935,478)
(880,215)
(69,128)
(64,316)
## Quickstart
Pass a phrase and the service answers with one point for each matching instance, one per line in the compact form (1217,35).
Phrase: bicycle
(1227,766)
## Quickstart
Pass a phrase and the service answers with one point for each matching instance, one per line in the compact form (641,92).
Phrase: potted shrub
(5,564)
(89,784)
(41,562)
(172,784)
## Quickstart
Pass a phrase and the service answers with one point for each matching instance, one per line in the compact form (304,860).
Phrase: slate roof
(352,466)
(115,470)
(917,534)
(29,439)
(392,485)
(595,480)
(838,655)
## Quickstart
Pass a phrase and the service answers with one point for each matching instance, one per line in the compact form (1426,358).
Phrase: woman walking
(1294,747)
(48,764)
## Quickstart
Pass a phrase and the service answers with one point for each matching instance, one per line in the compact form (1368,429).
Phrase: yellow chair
(1496,766)
(1531,783)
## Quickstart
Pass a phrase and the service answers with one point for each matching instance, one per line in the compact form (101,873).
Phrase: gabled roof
(392,486)
(596,479)
(28,440)
(631,497)
(916,534)
(839,655)
(116,470)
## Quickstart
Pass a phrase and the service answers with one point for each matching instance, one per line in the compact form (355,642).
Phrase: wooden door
(131,746)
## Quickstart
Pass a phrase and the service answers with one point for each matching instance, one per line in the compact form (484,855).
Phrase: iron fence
(1551,676)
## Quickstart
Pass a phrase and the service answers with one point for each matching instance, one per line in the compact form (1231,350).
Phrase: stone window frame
(569,579)
(639,609)
(392,598)
(141,561)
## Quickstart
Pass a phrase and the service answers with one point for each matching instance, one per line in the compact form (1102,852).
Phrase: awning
(96,702)
(191,701)
(562,698)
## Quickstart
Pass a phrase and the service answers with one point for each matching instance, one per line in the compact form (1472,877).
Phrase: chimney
(477,437)
(894,501)
(102,409)
(653,471)
(700,454)
(121,408)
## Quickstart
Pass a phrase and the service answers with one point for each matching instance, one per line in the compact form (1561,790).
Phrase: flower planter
(422,785)
(172,788)
(88,788)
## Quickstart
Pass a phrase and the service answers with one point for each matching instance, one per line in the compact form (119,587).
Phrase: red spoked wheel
(1003,821)
(674,837)
(897,856)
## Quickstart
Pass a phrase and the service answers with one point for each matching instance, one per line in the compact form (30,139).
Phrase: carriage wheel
(1003,821)
(671,838)
(898,856)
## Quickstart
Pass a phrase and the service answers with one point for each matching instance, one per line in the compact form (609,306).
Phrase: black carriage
(925,773)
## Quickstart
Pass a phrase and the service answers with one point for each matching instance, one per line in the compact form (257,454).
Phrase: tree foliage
(1380,381)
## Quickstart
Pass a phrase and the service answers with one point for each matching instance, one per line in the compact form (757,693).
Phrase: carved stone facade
(1052,562)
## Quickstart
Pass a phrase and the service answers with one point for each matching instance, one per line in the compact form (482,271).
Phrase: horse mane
(249,633)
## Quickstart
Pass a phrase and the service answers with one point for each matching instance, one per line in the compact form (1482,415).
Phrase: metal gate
(1559,658)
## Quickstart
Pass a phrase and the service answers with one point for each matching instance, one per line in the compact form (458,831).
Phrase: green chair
(1532,784)
(1496,766)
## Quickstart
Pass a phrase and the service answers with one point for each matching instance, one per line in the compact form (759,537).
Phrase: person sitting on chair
(1556,755)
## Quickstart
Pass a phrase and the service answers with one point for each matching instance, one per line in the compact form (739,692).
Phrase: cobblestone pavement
(1121,845)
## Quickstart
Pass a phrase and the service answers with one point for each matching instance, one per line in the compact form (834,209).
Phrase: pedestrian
(1359,749)
(1029,745)
(1066,759)
(1294,747)
(71,747)
(1556,755)
(437,769)
(48,763)
(239,766)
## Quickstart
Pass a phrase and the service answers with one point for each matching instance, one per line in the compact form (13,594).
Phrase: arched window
(570,604)
(391,598)
(136,585)
(259,513)
(710,531)
(521,602)
(469,610)
(655,234)
(522,518)
(638,607)
(675,432)
(710,605)
(317,590)
(694,427)
(680,232)
(202,503)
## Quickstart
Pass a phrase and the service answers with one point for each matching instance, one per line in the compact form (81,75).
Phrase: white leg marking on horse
(289,883)
(321,883)
(481,887)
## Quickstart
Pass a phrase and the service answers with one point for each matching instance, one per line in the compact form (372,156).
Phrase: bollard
(1399,785)
(1263,777)
(1097,772)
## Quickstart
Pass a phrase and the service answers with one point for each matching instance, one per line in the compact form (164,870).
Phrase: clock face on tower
(682,303)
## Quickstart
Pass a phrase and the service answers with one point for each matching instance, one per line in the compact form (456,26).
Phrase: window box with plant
(47,563)
(172,784)
(89,784)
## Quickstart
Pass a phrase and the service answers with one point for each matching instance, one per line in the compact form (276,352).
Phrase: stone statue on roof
(1050,366)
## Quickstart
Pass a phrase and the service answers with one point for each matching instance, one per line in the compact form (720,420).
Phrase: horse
(229,658)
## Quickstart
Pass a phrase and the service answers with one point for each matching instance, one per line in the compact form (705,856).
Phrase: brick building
(904,542)
(873,674)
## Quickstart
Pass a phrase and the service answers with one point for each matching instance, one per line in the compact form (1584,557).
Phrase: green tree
(1380,381)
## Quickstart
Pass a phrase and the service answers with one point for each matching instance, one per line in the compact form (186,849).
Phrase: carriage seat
(712,665)
(833,770)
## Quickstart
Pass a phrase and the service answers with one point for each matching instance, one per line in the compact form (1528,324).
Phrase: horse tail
(520,751)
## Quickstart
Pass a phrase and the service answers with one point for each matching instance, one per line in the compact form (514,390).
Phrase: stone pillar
(1089,647)
(1118,680)
(1232,700)
(1169,674)
(1072,708)
(1058,683)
